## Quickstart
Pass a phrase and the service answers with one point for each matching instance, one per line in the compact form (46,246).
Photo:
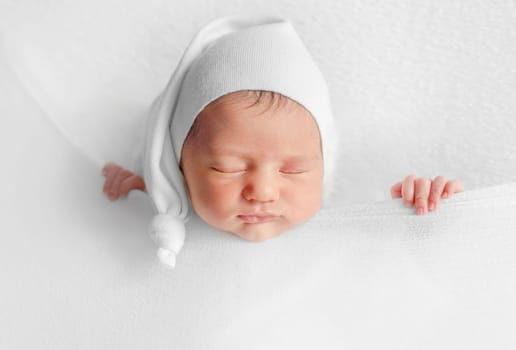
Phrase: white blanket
(79,271)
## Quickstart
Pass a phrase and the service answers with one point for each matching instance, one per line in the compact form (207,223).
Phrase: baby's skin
(421,193)
(256,171)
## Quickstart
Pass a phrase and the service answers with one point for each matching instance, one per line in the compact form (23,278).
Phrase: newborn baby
(248,137)
(252,164)
(256,169)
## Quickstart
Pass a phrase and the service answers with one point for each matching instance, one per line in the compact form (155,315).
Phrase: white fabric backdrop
(426,88)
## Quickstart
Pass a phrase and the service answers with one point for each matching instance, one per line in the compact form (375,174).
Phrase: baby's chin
(257,235)
(259,232)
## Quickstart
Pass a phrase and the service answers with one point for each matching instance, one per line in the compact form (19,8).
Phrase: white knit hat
(227,55)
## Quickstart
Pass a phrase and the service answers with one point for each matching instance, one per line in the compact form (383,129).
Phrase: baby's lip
(257,218)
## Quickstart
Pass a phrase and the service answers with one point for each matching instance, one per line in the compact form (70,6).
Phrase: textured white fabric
(360,276)
(227,55)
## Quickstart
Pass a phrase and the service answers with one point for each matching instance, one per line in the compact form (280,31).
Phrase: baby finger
(111,176)
(422,189)
(452,187)
(407,191)
(436,190)
(117,183)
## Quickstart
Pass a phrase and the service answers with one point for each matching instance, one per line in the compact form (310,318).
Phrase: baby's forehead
(251,103)
(252,114)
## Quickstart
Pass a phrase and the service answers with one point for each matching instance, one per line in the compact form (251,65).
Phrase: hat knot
(168,232)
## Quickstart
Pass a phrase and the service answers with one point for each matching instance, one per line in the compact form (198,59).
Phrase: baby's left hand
(424,193)
(119,181)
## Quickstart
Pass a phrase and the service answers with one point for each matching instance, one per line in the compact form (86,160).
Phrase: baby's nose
(262,187)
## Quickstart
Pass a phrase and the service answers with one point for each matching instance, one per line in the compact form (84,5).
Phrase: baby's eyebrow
(235,152)
(212,151)
(303,161)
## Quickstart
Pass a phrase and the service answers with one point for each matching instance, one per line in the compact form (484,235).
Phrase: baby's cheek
(218,200)
(305,201)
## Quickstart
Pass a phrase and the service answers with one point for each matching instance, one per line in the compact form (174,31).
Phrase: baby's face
(254,171)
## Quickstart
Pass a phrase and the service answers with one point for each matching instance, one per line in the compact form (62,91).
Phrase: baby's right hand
(120,181)
(423,193)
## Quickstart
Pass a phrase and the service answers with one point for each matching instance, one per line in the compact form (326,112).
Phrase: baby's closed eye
(293,171)
(228,170)
(228,166)
(240,169)
(297,167)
